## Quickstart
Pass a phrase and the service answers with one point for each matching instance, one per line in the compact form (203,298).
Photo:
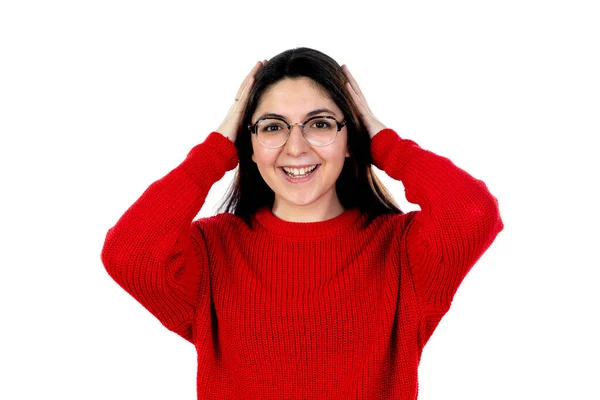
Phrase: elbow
(112,255)
(492,211)
(496,218)
(108,254)
(484,215)
(474,229)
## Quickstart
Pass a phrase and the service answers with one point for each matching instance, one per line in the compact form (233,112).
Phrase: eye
(271,126)
(321,123)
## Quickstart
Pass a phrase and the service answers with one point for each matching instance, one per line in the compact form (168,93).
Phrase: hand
(372,124)
(230,125)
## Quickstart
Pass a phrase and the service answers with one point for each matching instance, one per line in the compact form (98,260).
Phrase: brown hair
(357,185)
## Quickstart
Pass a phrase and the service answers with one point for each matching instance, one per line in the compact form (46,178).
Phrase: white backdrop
(100,99)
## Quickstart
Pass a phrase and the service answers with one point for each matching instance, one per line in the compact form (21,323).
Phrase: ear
(253,158)
(348,152)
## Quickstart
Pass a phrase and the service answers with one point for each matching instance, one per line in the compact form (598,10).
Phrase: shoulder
(217,220)
(393,221)
(220,224)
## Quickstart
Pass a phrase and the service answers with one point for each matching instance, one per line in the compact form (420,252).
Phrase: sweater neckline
(344,222)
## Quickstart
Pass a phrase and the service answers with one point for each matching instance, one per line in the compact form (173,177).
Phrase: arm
(152,251)
(458,221)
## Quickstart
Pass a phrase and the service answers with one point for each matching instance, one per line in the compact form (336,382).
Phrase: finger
(240,100)
(255,69)
(362,109)
(243,97)
(357,99)
(353,83)
(245,82)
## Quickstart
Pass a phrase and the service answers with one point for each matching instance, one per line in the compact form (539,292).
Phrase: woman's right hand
(230,125)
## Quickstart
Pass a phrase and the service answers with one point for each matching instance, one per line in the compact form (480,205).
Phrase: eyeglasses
(275,132)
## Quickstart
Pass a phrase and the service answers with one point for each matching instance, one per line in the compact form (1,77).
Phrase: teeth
(299,171)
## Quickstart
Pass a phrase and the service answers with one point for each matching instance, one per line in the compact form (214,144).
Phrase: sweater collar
(343,223)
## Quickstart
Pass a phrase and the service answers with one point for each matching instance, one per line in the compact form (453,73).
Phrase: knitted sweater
(303,310)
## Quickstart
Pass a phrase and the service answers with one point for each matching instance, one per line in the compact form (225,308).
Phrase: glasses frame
(340,125)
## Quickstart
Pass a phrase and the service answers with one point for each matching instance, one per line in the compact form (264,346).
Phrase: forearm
(453,202)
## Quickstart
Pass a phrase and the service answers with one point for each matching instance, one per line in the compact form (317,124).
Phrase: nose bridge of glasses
(289,141)
(291,126)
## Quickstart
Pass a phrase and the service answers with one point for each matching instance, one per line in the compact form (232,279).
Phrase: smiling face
(313,198)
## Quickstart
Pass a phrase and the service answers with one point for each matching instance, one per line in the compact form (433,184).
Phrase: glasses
(275,132)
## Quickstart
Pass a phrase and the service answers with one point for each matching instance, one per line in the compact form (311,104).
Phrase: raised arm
(458,221)
(459,218)
(152,253)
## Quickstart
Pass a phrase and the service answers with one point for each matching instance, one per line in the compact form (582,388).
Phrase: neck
(314,212)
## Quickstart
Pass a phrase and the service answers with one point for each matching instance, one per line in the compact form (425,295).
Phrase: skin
(315,200)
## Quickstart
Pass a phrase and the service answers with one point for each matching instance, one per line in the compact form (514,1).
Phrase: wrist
(376,128)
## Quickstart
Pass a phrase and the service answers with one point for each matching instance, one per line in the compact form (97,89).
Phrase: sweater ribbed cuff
(381,145)
(208,161)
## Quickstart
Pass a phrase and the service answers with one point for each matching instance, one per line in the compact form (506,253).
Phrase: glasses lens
(320,131)
(271,132)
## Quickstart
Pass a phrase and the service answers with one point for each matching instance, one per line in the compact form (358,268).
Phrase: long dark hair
(357,185)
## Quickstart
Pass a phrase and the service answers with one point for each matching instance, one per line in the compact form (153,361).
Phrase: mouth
(298,175)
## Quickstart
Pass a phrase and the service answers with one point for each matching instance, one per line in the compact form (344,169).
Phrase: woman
(313,284)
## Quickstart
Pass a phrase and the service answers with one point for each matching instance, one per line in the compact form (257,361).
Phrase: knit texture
(303,310)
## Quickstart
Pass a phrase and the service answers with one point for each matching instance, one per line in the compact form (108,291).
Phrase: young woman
(312,284)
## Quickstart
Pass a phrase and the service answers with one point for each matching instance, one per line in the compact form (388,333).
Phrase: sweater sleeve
(459,219)
(153,253)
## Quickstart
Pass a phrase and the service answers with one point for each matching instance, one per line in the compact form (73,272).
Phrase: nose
(296,143)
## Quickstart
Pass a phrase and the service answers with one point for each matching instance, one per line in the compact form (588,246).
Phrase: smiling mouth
(299,173)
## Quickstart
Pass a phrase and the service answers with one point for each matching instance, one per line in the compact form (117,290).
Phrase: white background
(100,99)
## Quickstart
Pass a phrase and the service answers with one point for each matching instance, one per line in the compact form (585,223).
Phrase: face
(295,99)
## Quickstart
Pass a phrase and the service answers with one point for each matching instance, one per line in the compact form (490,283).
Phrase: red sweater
(292,310)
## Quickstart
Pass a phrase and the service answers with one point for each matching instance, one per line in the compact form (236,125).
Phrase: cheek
(335,154)
(341,146)
(264,158)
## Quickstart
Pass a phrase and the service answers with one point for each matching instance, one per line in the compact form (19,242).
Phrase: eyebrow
(308,115)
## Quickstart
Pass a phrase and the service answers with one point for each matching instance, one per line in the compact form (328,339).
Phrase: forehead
(295,97)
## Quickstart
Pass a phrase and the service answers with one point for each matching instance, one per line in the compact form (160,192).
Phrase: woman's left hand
(372,124)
